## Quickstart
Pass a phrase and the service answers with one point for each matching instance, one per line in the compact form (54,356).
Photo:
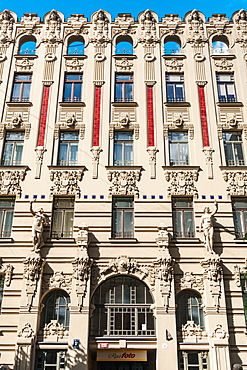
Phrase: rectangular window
(13,147)
(123,148)
(175,87)
(72,87)
(178,148)
(124,88)
(239,208)
(62,217)
(122,217)
(21,87)
(68,149)
(233,148)
(182,212)
(226,88)
(193,360)
(1,289)
(7,205)
(50,360)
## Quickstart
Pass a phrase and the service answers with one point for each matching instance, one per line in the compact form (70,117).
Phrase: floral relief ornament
(124,182)
(219,332)
(174,64)
(77,24)
(124,64)
(74,64)
(26,331)
(148,28)
(182,182)
(29,23)
(66,182)
(171,23)
(241,25)
(219,23)
(196,29)
(24,64)
(237,182)
(10,182)
(100,28)
(124,22)
(224,65)
(53,28)
(6,27)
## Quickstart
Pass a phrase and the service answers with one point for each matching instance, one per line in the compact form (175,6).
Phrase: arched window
(189,308)
(124,45)
(172,47)
(27,47)
(220,45)
(75,46)
(56,308)
(122,308)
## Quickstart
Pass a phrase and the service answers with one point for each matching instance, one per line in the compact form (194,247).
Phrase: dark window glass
(193,360)
(189,308)
(123,148)
(21,88)
(175,87)
(182,212)
(62,217)
(72,87)
(50,360)
(56,308)
(239,207)
(122,217)
(233,148)
(13,147)
(6,216)
(226,87)
(68,149)
(124,88)
(178,148)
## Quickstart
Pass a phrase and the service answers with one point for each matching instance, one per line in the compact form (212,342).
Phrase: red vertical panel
(150,116)
(43,118)
(96,121)
(204,122)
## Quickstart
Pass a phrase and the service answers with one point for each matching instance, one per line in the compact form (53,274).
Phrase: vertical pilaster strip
(203,113)
(96,131)
(150,112)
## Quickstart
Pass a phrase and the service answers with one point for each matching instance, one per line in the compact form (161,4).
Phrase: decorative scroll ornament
(241,24)
(10,182)
(71,121)
(7,270)
(65,182)
(148,28)
(6,27)
(124,265)
(163,237)
(53,28)
(196,29)
(192,333)
(171,24)
(100,28)
(178,123)
(55,329)
(124,123)
(237,182)
(24,65)
(32,271)
(17,122)
(182,182)
(58,280)
(29,23)
(163,268)
(26,331)
(223,65)
(124,65)
(219,332)
(81,274)
(74,65)
(77,23)
(213,273)
(124,182)
(189,281)
(124,23)
(174,65)
(219,24)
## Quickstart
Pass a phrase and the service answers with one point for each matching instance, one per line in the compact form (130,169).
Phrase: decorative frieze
(29,24)
(189,281)
(124,182)
(174,65)
(178,123)
(236,182)
(58,280)
(182,182)
(192,333)
(219,23)
(124,65)
(125,24)
(73,64)
(65,182)
(24,64)
(77,25)
(10,182)
(124,265)
(16,120)
(223,65)
(70,121)
(32,271)
(172,25)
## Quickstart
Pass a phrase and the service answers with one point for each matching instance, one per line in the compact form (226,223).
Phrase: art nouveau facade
(116,136)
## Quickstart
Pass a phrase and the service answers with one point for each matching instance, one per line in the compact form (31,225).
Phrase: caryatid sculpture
(39,221)
(207,226)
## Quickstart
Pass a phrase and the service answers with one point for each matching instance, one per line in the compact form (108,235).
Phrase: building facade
(123,184)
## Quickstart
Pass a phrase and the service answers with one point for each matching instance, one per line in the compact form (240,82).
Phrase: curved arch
(220,44)
(27,45)
(172,45)
(124,45)
(122,306)
(56,303)
(75,45)
(189,308)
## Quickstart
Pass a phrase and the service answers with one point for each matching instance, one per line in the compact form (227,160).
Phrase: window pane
(7,154)
(8,223)
(77,91)
(57,223)
(26,91)
(67,91)
(119,91)
(73,153)
(128,222)
(129,91)
(170,91)
(118,154)
(68,223)
(128,154)
(18,153)
(63,152)
(16,92)
(178,222)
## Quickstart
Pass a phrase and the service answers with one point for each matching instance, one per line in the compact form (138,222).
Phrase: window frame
(62,210)
(4,210)
(2,279)
(73,83)
(124,92)
(178,143)
(21,83)
(234,152)
(122,210)
(185,305)
(203,363)
(124,143)
(239,234)
(41,359)
(183,233)
(174,84)
(53,307)
(226,84)
(14,141)
(69,143)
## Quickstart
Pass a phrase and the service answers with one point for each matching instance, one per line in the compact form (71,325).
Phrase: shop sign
(121,355)
(103,345)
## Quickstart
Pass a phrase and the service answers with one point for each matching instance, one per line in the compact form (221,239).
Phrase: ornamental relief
(100,22)
(77,24)
(182,182)
(74,64)
(6,27)
(179,124)
(124,123)
(219,23)
(223,65)
(58,280)
(65,182)
(124,182)
(125,25)
(171,23)
(69,122)
(236,181)
(26,331)
(17,122)
(219,333)
(148,24)
(6,269)
(123,65)
(29,24)
(10,182)
(237,273)
(53,22)
(196,28)
(174,65)
(240,19)
(23,65)
(214,274)
(192,333)
(55,329)
(189,281)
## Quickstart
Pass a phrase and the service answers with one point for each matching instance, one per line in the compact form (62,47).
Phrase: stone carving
(237,367)
(196,29)
(100,28)
(213,273)
(171,24)
(209,161)
(189,281)
(81,274)
(74,65)
(39,221)
(6,27)
(124,265)
(237,182)
(182,182)
(163,271)
(16,120)
(10,182)
(174,65)
(163,237)
(70,120)
(148,28)
(77,23)
(24,65)
(219,23)
(178,123)
(26,331)
(124,182)
(207,226)
(65,182)
(7,270)
(219,332)
(237,272)
(223,65)
(53,28)
(29,23)
(55,329)
(152,151)
(125,23)
(124,65)
(39,151)
(96,150)
(58,280)
(192,332)
(241,25)
(123,123)
(32,271)
(82,236)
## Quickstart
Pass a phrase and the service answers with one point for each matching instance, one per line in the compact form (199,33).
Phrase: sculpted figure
(37,228)
(6,26)
(101,26)
(206,225)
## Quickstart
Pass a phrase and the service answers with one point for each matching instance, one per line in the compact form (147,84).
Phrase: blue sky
(129,6)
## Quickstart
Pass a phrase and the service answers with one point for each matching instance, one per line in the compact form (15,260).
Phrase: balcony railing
(184,234)
(235,162)
(123,163)
(61,234)
(172,52)
(227,99)
(123,234)
(220,51)
(73,99)
(180,162)
(175,99)
(27,52)
(67,163)
(124,51)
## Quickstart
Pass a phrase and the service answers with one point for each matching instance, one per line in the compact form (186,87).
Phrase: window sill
(18,103)
(14,168)
(60,168)
(230,104)
(72,103)
(172,56)
(123,240)
(220,56)
(232,168)
(60,239)
(6,240)
(28,56)
(127,56)
(184,168)
(82,56)
(121,168)
(177,103)
(124,104)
